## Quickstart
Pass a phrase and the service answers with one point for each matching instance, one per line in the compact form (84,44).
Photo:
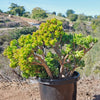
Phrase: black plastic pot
(61,89)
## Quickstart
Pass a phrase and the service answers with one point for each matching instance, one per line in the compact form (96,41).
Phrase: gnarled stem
(43,63)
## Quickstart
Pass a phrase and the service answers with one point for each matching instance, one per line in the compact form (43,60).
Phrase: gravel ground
(87,90)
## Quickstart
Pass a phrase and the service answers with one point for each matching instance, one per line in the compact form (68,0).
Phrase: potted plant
(51,55)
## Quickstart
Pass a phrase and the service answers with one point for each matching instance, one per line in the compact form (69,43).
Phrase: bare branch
(43,63)
(78,48)
(65,58)
(87,50)
(42,48)
(60,39)
(56,48)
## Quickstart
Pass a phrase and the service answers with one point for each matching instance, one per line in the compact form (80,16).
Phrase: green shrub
(29,51)
(38,13)
(73,17)
(15,34)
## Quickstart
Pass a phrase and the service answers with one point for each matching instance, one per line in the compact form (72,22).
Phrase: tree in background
(89,18)
(73,17)
(12,6)
(27,14)
(69,12)
(63,16)
(16,9)
(1,11)
(54,13)
(38,13)
(59,14)
(82,17)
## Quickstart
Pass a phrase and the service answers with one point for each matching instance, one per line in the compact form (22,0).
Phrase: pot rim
(61,81)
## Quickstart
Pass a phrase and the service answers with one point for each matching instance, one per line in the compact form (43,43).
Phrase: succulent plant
(49,52)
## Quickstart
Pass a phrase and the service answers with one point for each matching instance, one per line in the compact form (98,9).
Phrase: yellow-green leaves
(53,63)
(39,51)
(68,48)
(16,54)
(51,32)
(52,42)
(14,43)
(9,51)
(12,53)
(13,63)
(21,40)
(34,45)
(31,59)
(59,23)
(29,51)
(63,52)
(83,41)
(95,40)
(79,54)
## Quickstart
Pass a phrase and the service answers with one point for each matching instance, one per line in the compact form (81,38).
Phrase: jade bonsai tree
(49,52)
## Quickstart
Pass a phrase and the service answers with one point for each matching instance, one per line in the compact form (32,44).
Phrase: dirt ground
(87,90)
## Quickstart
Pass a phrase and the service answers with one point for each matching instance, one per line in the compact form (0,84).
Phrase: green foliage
(76,25)
(30,51)
(16,9)
(95,24)
(53,63)
(13,5)
(38,13)
(27,14)
(1,11)
(82,17)
(54,13)
(97,70)
(59,14)
(69,12)
(15,34)
(73,17)
(35,70)
(89,18)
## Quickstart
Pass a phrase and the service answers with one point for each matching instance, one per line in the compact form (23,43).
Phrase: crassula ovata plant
(49,52)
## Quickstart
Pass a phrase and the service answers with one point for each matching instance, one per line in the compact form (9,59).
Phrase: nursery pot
(59,89)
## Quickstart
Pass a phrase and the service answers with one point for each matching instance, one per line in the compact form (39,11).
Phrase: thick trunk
(61,70)
(47,70)
(43,63)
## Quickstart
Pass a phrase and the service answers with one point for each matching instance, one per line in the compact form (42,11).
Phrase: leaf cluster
(38,13)
(49,52)
(16,9)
